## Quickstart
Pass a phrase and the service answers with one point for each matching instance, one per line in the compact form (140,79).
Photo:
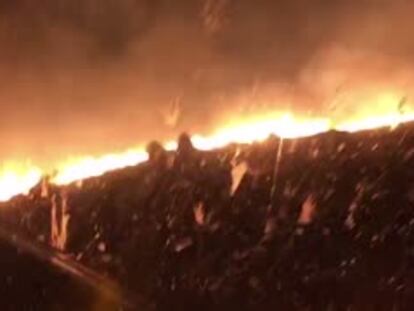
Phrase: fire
(387,111)
(259,128)
(77,169)
(390,120)
(17,179)
(245,131)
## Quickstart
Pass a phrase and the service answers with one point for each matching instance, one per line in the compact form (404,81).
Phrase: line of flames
(17,178)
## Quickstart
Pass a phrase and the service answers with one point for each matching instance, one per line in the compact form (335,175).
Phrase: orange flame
(383,111)
(16,178)
(81,168)
(259,128)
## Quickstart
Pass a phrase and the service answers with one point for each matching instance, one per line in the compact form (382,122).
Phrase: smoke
(92,76)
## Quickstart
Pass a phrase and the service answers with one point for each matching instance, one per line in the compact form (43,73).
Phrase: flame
(77,169)
(391,120)
(245,131)
(259,128)
(383,110)
(16,178)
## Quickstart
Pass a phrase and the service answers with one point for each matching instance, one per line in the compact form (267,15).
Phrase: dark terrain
(326,225)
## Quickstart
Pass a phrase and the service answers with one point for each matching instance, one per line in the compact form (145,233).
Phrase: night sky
(92,76)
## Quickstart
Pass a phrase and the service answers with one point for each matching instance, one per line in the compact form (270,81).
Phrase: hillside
(314,222)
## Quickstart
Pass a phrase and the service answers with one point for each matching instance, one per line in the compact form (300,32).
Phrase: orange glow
(384,110)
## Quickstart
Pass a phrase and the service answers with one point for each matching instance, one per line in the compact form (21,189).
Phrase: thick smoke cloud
(91,76)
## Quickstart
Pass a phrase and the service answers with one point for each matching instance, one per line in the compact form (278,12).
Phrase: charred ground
(331,227)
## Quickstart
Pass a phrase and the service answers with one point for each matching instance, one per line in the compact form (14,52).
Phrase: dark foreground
(326,225)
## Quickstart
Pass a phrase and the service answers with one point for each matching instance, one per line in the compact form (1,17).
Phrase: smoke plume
(91,76)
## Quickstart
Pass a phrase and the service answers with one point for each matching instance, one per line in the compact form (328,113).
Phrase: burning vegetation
(386,110)
(84,80)
(294,190)
(290,223)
